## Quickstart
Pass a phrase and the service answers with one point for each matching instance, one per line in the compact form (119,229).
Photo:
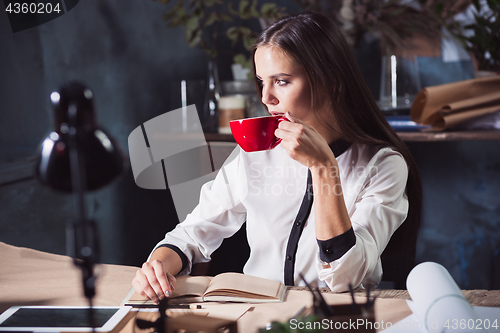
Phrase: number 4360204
(471,324)
(32,8)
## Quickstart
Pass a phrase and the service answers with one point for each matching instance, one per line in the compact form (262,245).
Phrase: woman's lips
(276,113)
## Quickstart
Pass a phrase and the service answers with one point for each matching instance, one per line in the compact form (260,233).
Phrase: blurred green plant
(484,43)
(201,20)
(393,21)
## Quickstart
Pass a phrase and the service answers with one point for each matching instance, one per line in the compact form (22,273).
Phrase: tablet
(61,318)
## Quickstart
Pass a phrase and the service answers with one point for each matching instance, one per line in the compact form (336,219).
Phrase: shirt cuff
(181,254)
(334,248)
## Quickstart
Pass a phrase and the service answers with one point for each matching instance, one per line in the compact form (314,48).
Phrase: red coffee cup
(256,134)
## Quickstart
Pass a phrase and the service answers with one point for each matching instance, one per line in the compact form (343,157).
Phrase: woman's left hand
(303,143)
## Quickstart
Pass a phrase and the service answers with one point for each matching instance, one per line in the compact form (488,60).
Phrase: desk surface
(477,297)
(30,277)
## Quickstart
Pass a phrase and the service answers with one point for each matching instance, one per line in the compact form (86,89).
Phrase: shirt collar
(339,147)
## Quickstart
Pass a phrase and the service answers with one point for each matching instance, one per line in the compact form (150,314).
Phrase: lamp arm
(78,181)
(78,157)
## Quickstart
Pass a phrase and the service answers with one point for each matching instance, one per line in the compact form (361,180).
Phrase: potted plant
(484,42)
(204,20)
(394,22)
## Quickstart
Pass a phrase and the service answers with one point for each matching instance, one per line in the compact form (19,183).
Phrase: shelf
(450,136)
(406,136)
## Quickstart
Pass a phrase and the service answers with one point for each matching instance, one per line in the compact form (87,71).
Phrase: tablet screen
(59,317)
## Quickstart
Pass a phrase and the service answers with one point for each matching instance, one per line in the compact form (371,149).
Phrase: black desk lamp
(76,157)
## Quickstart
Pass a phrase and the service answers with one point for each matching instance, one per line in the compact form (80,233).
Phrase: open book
(225,287)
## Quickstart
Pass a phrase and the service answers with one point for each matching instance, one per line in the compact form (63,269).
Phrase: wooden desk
(477,297)
(30,277)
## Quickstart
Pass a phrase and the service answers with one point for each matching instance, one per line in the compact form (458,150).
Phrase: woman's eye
(281,82)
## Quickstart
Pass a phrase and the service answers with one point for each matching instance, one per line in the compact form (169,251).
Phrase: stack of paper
(448,105)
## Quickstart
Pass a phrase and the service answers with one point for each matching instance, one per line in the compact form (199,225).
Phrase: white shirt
(266,190)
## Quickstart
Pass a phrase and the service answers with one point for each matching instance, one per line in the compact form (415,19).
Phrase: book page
(237,284)
(191,285)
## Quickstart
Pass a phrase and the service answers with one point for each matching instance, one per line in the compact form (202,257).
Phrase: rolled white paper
(437,300)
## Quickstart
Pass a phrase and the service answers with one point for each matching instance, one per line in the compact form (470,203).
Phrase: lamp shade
(102,160)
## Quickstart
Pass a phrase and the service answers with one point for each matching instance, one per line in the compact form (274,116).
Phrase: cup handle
(278,140)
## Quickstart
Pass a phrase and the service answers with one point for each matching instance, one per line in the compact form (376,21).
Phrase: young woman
(327,200)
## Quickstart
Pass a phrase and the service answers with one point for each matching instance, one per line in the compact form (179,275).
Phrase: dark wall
(134,63)
(461,209)
(124,52)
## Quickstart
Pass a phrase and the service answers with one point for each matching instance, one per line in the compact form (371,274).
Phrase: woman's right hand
(154,281)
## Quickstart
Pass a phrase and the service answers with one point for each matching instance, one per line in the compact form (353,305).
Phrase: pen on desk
(185,306)
(176,306)
(142,306)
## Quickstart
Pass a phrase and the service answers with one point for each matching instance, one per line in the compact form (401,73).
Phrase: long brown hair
(315,42)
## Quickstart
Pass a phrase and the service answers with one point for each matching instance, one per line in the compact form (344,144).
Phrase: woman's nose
(268,97)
